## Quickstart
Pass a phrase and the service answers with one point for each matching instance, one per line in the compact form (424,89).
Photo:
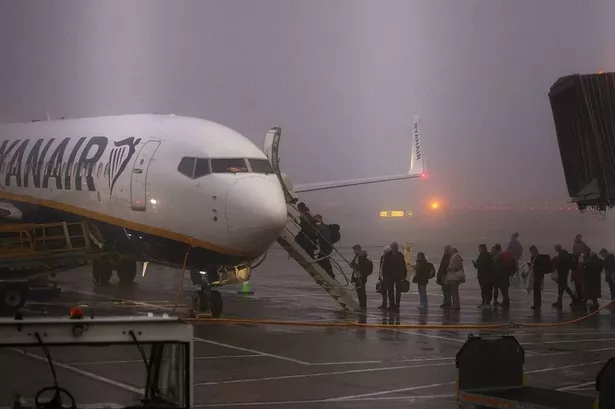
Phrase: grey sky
(342,78)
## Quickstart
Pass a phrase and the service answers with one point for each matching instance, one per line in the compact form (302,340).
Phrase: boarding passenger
(325,247)
(485,267)
(576,277)
(455,276)
(592,268)
(609,270)
(424,272)
(308,235)
(578,247)
(563,264)
(515,246)
(381,281)
(502,279)
(362,267)
(394,271)
(541,265)
(441,277)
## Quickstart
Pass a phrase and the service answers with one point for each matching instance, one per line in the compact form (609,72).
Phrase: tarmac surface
(249,366)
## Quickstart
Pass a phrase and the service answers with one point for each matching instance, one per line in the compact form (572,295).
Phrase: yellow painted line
(120,222)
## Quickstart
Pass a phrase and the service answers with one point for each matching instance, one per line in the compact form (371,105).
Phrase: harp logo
(119,157)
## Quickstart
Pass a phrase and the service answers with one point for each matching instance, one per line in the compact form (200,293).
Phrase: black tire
(199,302)
(14,297)
(101,273)
(217,304)
(126,271)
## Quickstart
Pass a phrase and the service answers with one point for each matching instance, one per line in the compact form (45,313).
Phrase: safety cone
(245,288)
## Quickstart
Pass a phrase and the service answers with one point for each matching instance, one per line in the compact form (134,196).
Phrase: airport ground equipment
(584,117)
(29,253)
(490,375)
(165,344)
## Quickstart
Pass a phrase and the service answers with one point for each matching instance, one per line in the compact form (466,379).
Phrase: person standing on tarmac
(609,270)
(424,272)
(515,246)
(592,267)
(325,247)
(563,265)
(394,271)
(441,277)
(502,279)
(485,267)
(541,264)
(362,267)
(383,283)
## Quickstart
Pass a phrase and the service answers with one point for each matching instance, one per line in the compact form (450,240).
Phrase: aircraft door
(138,182)
(271,147)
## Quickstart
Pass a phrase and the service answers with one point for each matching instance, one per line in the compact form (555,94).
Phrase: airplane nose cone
(255,213)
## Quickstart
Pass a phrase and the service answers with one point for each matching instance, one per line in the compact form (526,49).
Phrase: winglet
(417,161)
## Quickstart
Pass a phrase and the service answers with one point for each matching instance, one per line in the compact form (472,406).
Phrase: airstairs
(331,285)
(286,240)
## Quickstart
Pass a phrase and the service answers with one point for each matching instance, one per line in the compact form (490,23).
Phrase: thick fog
(343,79)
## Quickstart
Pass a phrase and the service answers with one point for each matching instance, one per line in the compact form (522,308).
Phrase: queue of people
(495,267)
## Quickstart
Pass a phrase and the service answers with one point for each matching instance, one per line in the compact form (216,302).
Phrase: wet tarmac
(314,367)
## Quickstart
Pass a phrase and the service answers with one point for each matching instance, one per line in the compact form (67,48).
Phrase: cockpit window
(186,167)
(260,166)
(202,168)
(228,165)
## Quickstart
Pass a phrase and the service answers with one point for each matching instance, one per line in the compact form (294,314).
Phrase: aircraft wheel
(199,302)
(216,304)
(14,297)
(126,271)
(101,273)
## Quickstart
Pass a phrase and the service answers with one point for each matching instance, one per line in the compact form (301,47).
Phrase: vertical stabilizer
(417,161)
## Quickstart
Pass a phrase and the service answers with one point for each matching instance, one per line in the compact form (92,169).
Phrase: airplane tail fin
(417,161)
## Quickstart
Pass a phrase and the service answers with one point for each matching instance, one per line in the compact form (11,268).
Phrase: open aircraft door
(271,148)
(138,182)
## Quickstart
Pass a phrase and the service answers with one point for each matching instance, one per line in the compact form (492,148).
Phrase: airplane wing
(417,169)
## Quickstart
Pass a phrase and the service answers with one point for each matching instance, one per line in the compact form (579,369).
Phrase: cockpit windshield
(226,165)
(260,166)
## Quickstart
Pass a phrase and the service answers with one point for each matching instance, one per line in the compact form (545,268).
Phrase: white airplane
(162,188)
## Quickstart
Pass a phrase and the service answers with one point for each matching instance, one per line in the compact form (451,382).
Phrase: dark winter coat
(592,268)
(485,267)
(394,266)
(424,272)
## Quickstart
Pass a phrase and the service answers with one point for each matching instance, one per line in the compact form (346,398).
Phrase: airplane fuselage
(155,185)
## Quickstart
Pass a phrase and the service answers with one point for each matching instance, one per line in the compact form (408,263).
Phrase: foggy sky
(341,77)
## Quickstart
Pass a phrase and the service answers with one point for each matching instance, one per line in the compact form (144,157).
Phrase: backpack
(334,233)
(370,266)
(507,262)
(432,270)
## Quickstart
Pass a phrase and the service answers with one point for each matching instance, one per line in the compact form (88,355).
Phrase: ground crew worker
(362,267)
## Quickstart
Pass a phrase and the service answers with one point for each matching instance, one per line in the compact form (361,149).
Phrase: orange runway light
(435,205)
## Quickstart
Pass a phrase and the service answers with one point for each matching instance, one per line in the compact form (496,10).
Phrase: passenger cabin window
(228,165)
(202,168)
(260,166)
(186,167)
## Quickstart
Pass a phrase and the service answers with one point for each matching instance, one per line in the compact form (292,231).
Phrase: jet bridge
(286,240)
